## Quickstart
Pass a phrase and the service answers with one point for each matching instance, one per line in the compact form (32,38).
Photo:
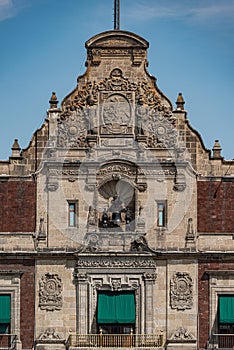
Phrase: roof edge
(112,33)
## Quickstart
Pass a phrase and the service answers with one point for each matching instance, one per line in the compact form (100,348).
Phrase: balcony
(8,341)
(222,341)
(89,341)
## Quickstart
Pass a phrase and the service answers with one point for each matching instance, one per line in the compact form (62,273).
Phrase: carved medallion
(181,293)
(116,113)
(50,292)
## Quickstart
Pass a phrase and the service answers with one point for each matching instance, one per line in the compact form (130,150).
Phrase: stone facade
(116,193)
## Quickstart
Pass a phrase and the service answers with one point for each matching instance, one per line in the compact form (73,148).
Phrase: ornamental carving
(181,293)
(157,125)
(116,114)
(182,335)
(154,119)
(108,262)
(118,168)
(50,292)
(116,284)
(150,277)
(116,82)
(79,117)
(49,335)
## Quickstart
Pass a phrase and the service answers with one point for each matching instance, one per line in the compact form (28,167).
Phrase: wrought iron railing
(115,340)
(222,341)
(8,341)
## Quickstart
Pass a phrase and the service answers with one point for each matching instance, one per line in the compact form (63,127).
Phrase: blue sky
(191,51)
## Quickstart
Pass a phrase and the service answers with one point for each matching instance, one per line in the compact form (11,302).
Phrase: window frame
(72,222)
(162,212)
(7,324)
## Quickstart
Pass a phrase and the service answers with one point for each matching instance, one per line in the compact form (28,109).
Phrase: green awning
(5,308)
(226,309)
(114,307)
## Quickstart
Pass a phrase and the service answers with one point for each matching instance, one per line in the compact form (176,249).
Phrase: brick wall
(27,297)
(215,206)
(203,295)
(17,206)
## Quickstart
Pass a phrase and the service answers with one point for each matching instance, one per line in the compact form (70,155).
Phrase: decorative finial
(53,101)
(15,149)
(217,150)
(117,15)
(180,102)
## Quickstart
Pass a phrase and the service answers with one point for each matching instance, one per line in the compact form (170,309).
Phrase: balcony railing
(222,341)
(115,340)
(8,341)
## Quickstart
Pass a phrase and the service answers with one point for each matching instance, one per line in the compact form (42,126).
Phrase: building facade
(116,223)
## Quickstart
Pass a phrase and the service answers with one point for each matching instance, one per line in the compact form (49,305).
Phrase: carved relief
(116,113)
(139,244)
(50,292)
(154,119)
(49,335)
(181,293)
(79,117)
(81,276)
(116,82)
(182,335)
(119,168)
(116,284)
(92,216)
(150,276)
(121,262)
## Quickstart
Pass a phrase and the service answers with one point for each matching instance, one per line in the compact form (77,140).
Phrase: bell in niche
(116,208)
(128,217)
(116,218)
(104,219)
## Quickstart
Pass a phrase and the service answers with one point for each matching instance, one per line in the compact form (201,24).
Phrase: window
(226,321)
(72,214)
(5,313)
(161,214)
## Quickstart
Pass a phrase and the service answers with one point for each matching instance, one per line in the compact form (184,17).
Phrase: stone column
(82,303)
(149,279)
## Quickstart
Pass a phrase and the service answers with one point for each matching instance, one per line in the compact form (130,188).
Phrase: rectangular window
(161,214)
(5,313)
(226,321)
(72,214)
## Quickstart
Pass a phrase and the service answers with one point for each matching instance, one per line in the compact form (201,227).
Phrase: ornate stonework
(116,114)
(118,262)
(49,334)
(50,292)
(182,335)
(181,293)
(116,95)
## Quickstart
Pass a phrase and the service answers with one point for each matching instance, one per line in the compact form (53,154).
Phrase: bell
(104,219)
(116,218)
(128,217)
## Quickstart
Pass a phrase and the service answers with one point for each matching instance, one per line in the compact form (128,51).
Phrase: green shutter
(5,308)
(226,309)
(116,307)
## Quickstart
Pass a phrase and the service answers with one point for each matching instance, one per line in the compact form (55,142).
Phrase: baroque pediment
(116,105)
